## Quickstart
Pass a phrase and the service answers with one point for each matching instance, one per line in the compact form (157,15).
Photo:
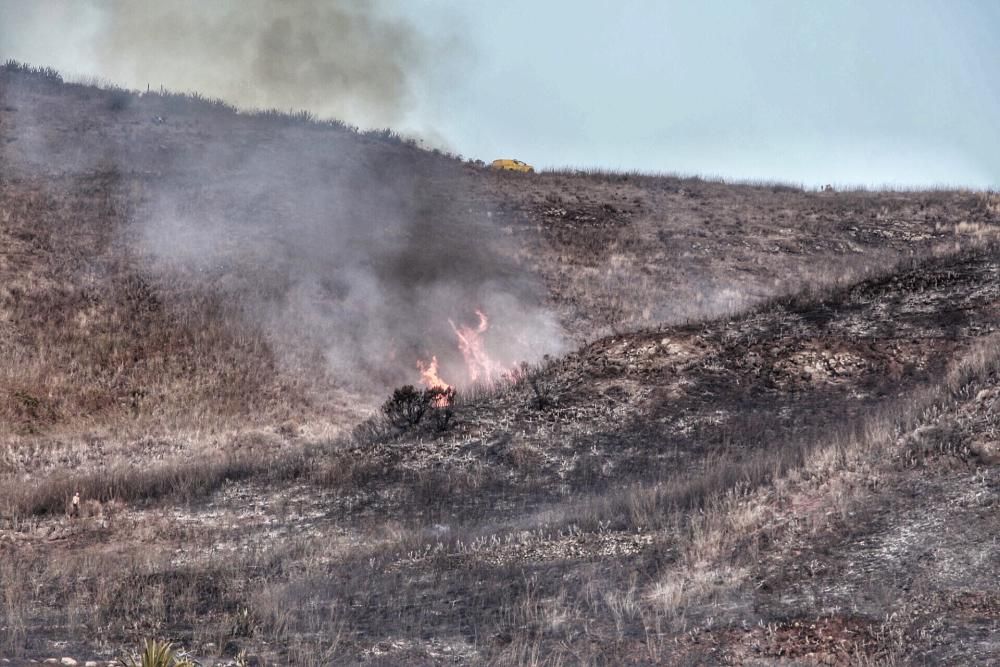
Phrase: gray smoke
(362,252)
(342,59)
(350,252)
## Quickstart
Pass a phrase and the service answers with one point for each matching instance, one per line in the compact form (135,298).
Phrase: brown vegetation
(774,443)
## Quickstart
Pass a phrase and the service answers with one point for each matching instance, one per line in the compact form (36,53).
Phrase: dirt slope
(771,438)
(769,496)
(153,247)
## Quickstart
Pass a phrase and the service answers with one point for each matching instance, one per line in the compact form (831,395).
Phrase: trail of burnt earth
(640,407)
(767,371)
(917,554)
(689,248)
(619,400)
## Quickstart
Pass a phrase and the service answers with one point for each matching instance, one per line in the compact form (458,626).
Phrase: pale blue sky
(844,92)
(860,92)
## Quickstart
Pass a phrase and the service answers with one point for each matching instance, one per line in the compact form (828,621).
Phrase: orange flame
(478,363)
(470,342)
(429,375)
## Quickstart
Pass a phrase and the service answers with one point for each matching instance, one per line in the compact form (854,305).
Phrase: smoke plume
(337,58)
(351,252)
(365,252)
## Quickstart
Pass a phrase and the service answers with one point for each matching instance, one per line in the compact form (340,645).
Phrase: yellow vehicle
(512,165)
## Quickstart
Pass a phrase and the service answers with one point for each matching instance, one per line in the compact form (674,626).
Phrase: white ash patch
(446,649)
(538,546)
(242,518)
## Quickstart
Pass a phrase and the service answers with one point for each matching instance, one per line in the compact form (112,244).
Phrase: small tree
(406,407)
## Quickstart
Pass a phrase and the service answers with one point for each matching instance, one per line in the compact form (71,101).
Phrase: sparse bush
(370,431)
(156,654)
(119,100)
(944,438)
(130,484)
(442,412)
(524,457)
(386,135)
(28,403)
(540,388)
(41,72)
(245,623)
(989,202)
(408,405)
(542,397)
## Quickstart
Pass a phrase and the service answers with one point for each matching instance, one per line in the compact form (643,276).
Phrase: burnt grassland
(776,441)
(502,542)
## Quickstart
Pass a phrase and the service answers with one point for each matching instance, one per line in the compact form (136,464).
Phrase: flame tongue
(470,343)
(429,375)
(478,364)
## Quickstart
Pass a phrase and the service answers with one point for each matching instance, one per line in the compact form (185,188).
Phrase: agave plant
(156,654)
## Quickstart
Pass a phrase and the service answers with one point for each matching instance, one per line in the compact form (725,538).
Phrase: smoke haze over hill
(251,405)
(347,60)
(349,253)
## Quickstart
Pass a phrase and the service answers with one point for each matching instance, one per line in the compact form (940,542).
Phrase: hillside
(173,253)
(756,426)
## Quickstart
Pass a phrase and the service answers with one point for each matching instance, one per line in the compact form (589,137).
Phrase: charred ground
(772,439)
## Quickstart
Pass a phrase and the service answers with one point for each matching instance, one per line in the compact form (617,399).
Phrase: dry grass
(179,481)
(119,347)
(708,529)
(613,506)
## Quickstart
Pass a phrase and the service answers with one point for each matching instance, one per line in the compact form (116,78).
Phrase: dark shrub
(406,407)
(119,100)
(441,402)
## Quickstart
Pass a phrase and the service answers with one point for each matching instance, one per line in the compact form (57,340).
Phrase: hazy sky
(814,92)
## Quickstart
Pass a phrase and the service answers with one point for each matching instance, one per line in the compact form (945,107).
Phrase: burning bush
(442,399)
(408,405)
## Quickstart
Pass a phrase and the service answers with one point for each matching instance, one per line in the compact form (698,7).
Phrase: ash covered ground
(756,424)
